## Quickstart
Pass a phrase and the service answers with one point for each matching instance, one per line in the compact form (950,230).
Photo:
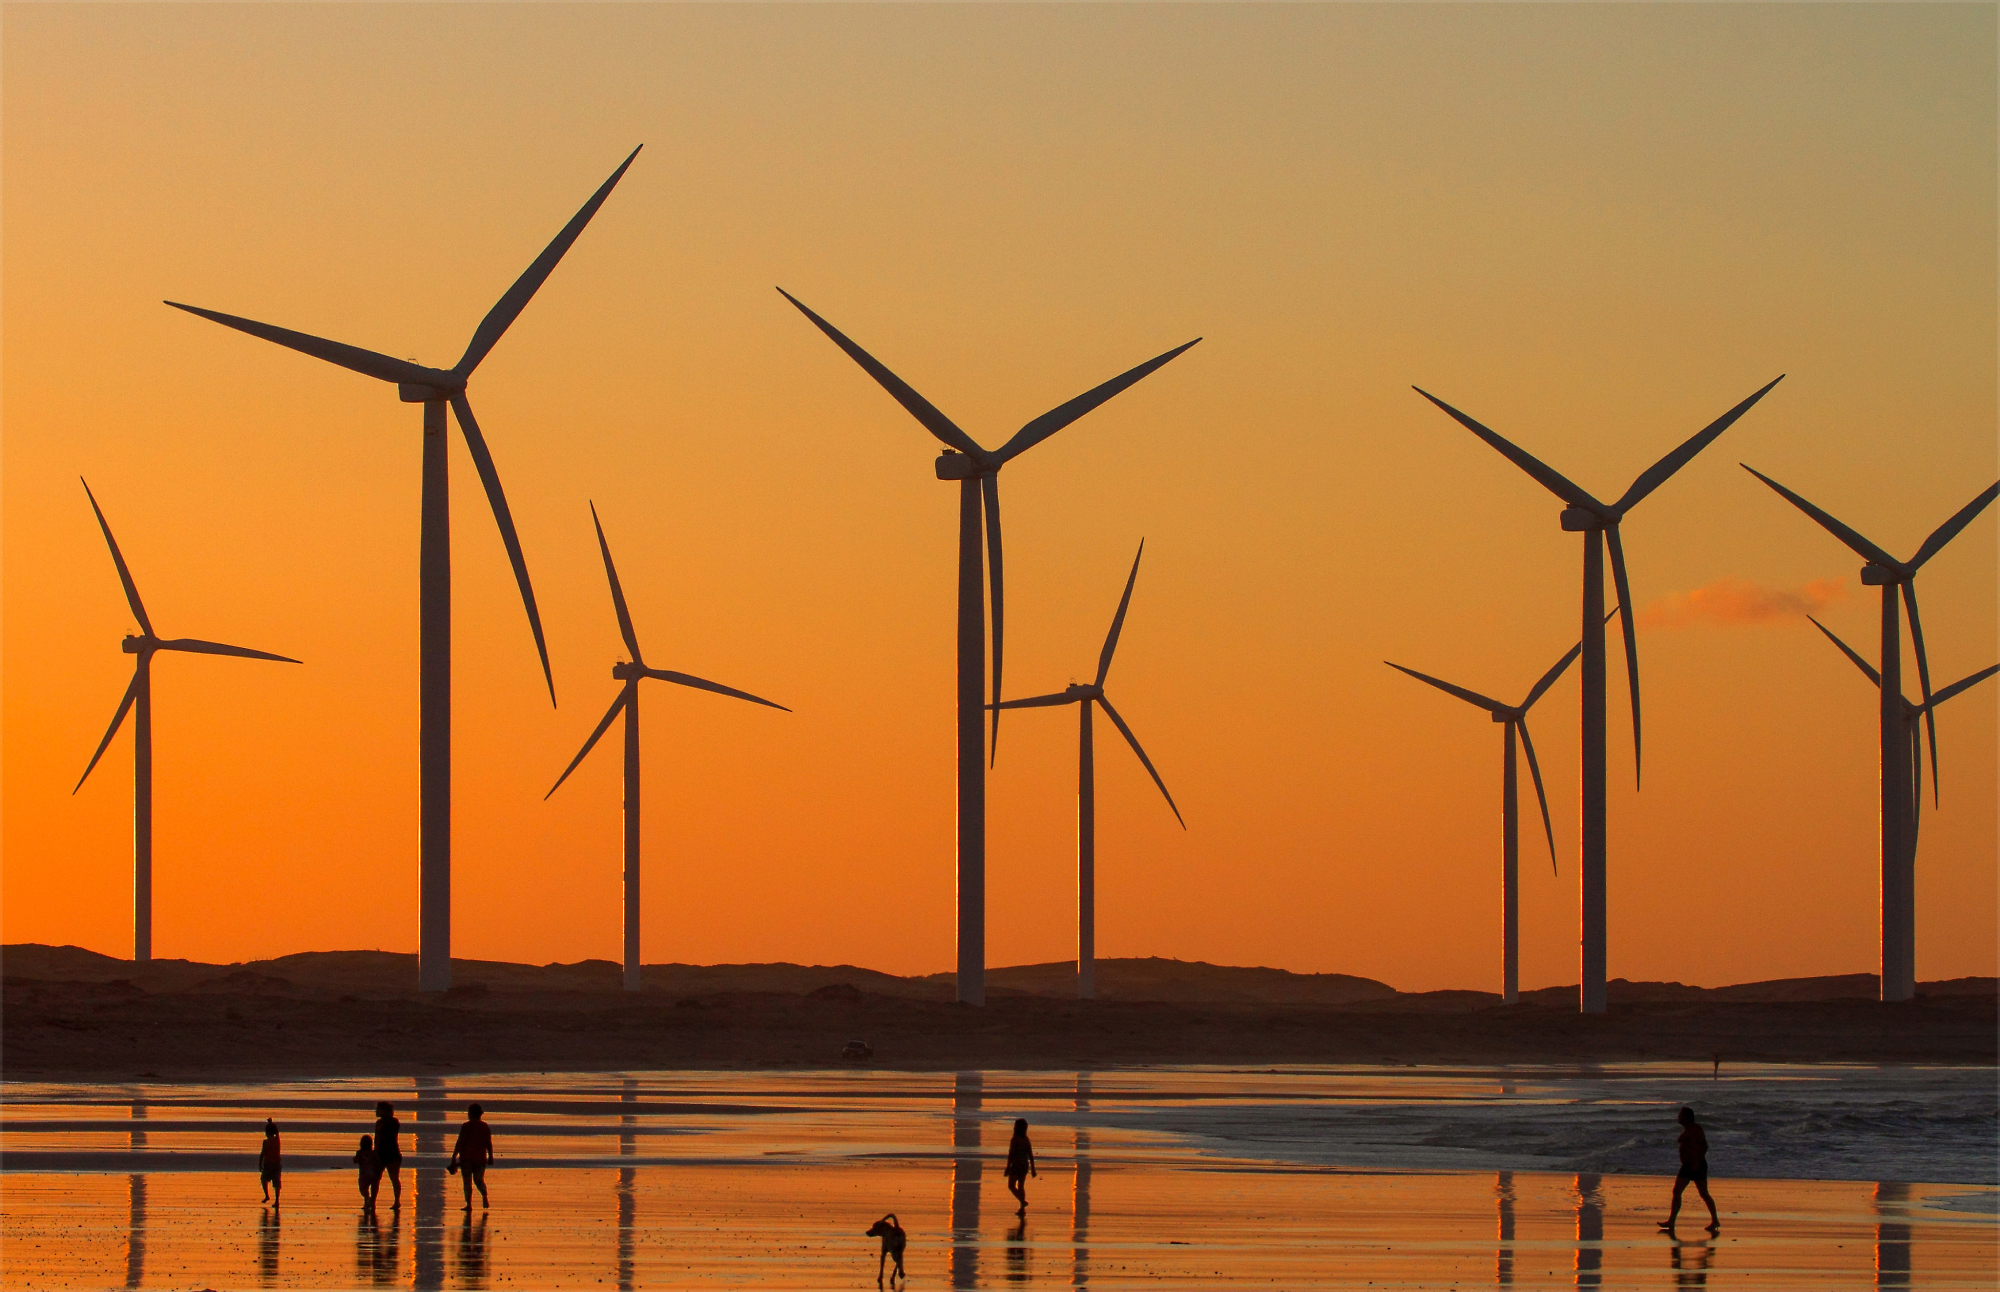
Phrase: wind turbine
(1899,912)
(977,472)
(139,696)
(630,672)
(434,388)
(1599,522)
(1911,714)
(1514,718)
(1086,785)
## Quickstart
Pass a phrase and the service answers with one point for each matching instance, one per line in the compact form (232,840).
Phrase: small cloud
(1730,602)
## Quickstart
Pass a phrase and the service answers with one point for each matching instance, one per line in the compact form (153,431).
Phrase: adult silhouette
(1694,1169)
(389,1149)
(472,1153)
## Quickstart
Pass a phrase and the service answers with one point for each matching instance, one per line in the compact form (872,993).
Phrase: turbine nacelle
(1082,691)
(626,671)
(447,385)
(134,644)
(1581,520)
(1876,576)
(953,465)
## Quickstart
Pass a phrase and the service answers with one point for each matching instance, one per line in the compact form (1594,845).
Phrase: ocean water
(1181,1177)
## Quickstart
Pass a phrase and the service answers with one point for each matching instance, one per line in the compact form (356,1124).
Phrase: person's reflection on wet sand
(1017,1251)
(364,1246)
(1079,1199)
(1691,1262)
(965,1105)
(1503,1262)
(388,1251)
(267,1246)
(1589,1230)
(1892,1237)
(135,1184)
(627,1178)
(428,1275)
(472,1251)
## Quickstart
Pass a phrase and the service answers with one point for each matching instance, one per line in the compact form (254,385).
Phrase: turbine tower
(1599,522)
(434,388)
(977,472)
(1513,718)
(1898,850)
(139,696)
(1086,785)
(630,672)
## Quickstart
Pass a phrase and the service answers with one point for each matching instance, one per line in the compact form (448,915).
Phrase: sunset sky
(1595,229)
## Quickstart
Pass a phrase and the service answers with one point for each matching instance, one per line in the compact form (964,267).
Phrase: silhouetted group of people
(381,1153)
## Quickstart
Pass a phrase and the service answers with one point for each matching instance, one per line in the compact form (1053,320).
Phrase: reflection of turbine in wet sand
(1589,1230)
(1899,791)
(965,1164)
(631,673)
(135,1223)
(1079,1203)
(1892,1235)
(1084,697)
(434,388)
(1599,523)
(1503,1261)
(138,701)
(429,1272)
(977,471)
(1514,719)
(627,1178)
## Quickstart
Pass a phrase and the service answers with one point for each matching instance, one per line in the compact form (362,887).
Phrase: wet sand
(731,1179)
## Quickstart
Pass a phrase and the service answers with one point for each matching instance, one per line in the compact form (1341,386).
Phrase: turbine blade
(1949,530)
(1063,414)
(195,646)
(1924,680)
(1546,476)
(989,485)
(617,593)
(352,357)
(1861,547)
(624,694)
(1036,701)
(509,307)
(482,460)
(1848,651)
(1631,637)
(1118,620)
(1658,474)
(124,706)
(1133,741)
(118,559)
(1470,697)
(918,407)
(1555,672)
(1535,770)
(1963,684)
(1917,784)
(701,684)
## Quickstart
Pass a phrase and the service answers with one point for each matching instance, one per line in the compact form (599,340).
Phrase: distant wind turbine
(139,697)
(1899,792)
(1599,522)
(434,388)
(1514,717)
(630,673)
(977,472)
(1086,785)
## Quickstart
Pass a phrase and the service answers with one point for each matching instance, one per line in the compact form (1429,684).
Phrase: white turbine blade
(509,307)
(482,461)
(1144,761)
(1036,702)
(195,646)
(1963,684)
(1949,530)
(1535,770)
(1470,697)
(702,684)
(920,408)
(1063,414)
(617,593)
(1848,651)
(1118,620)
(1924,680)
(1631,636)
(1861,547)
(124,706)
(1659,473)
(624,694)
(989,485)
(1543,474)
(118,559)
(352,357)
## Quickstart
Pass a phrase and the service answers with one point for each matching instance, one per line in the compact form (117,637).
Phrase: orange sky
(1594,229)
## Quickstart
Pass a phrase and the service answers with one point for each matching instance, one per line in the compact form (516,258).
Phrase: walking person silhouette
(388,1151)
(1694,1168)
(271,1166)
(1020,1164)
(369,1171)
(471,1154)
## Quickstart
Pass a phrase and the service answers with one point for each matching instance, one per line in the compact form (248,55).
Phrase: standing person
(1020,1164)
(368,1169)
(472,1153)
(271,1166)
(389,1151)
(1694,1167)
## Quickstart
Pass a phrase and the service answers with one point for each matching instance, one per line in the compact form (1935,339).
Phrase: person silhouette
(1020,1164)
(369,1170)
(1694,1168)
(388,1150)
(471,1154)
(271,1166)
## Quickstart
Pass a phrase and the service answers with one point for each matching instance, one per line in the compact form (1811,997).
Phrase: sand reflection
(428,1273)
(1892,1236)
(1589,1231)
(1079,1194)
(135,1225)
(1503,1261)
(966,1101)
(1690,1261)
(267,1246)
